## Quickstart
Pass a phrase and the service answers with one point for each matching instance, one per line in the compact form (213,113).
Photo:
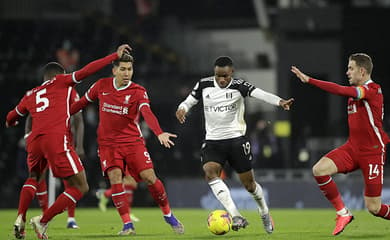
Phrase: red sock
(42,195)
(120,201)
(70,196)
(129,189)
(108,193)
(72,207)
(329,189)
(384,212)
(159,195)
(26,196)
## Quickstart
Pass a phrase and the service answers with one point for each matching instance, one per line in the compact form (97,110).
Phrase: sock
(120,201)
(329,189)
(70,196)
(222,193)
(259,198)
(26,196)
(71,207)
(71,219)
(129,193)
(159,195)
(384,212)
(42,195)
(108,193)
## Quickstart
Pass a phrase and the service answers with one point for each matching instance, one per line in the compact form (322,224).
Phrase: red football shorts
(348,159)
(55,150)
(131,159)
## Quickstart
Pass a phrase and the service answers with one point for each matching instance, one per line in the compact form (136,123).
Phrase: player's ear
(114,70)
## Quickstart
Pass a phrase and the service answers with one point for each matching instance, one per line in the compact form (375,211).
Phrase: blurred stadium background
(175,43)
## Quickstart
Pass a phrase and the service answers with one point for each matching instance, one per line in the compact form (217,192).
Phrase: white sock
(343,212)
(259,198)
(70,219)
(222,193)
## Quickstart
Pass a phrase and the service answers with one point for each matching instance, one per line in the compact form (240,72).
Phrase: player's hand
(164,139)
(123,49)
(12,125)
(304,78)
(181,115)
(286,104)
(80,151)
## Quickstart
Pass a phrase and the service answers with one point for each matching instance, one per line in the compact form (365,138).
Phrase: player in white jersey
(223,105)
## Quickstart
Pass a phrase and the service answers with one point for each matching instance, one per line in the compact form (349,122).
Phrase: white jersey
(224,108)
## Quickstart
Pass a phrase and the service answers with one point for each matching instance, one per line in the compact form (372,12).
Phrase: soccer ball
(219,222)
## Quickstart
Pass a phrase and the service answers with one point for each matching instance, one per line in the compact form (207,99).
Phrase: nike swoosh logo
(370,178)
(105,93)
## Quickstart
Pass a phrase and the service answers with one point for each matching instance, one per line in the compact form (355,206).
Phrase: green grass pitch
(290,224)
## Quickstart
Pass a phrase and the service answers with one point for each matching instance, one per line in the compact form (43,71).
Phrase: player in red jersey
(49,142)
(365,148)
(121,144)
(77,129)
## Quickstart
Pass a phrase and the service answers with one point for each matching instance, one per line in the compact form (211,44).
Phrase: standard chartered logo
(227,108)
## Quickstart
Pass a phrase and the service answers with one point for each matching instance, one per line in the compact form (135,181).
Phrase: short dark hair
(362,60)
(52,69)
(223,61)
(125,58)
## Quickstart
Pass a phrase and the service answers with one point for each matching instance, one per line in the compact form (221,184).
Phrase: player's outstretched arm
(326,86)
(286,104)
(96,65)
(165,140)
(303,77)
(181,115)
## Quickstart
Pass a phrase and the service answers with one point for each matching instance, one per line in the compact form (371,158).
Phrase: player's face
(354,73)
(223,75)
(123,73)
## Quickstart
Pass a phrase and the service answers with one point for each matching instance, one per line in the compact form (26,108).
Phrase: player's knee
(319,170)
(84,188)
(250,186)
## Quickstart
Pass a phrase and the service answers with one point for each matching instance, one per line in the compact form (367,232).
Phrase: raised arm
(327,86)
(96,65)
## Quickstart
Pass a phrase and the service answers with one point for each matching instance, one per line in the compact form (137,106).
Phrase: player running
(120,140)
(49,142)
(365,148)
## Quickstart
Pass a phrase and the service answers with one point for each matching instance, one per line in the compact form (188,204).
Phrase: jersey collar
(368,82)
(120,88)
(216,84)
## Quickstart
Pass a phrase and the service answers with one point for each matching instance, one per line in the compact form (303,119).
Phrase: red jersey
(49,106)
(365,114)
(119,111)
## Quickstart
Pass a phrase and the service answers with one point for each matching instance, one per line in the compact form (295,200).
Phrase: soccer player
(77,129)
(120,140)
(25,198)
(365,148)
(223,104)
(49,142)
